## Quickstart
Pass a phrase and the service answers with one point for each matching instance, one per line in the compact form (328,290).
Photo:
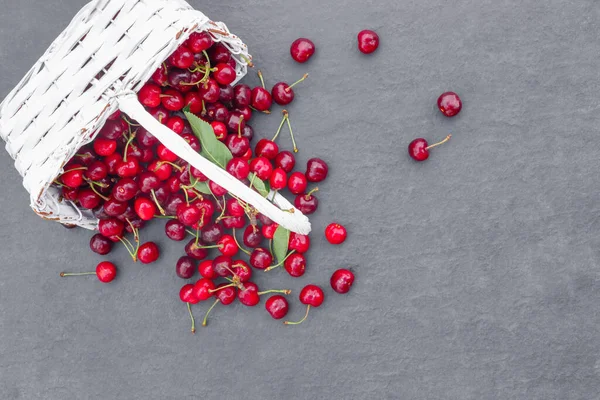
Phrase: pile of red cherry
(127,178)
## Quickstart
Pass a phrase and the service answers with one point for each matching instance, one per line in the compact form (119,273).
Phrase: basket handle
(293,221)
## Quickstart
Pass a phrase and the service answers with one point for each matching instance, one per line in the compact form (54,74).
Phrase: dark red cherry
(185,267)
(242,95)
(277,306)
(100,245)
(266,148)
(261,258)
(302,49)
(175,230)
(295,265)
(261,99)
(316,170)
(449,104)
(199,42)
(285,160)
(341,281)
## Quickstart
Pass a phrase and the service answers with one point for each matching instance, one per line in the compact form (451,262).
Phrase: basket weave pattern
(94,68)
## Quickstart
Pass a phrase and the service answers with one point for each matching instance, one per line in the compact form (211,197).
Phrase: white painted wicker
(97,64)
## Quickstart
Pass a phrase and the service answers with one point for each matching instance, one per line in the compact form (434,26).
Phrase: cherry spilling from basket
(127,178)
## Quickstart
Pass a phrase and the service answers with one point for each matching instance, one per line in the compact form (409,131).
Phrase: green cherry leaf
(280,243)
(202,187)
(261,186)
(212,149)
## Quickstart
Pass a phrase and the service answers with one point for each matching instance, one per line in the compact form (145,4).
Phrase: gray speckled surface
(478,271)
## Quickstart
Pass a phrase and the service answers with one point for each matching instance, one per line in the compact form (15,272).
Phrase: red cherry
(278,179)
(160,113)
(144,208)
(234,208)
(252,236)
(199,42)
(261,258)
(335,233)
(165,154)
(342,280)
(298,242)
(248,295)
(277,306)
(88,199)
(242,270)
(295,265)
(302,49)
(283,94)
(225,294)
(234,222)
(242,96)
(188,214)
(262,167)
(70,194)
(311,295)
(449,104)
(73,175)
(222,265)
(129,168)
(307,203)
(268,231)
(175,230)
(203,289)
(182,58)
(220,130)
(227,246)
(286,161)
(96,171)
(210,91)
(114,130)
(186,294)
(148,253)
(112,162)
(205,268)
(149,95)
(216,189)
(224,74)
(105,272)
(238,145)
(235,122)
(419,150)
(368,41)
(266,148)
(161,76)
(316,170)
(238,168)
(100,245)
(219,53)
(172,100)
(105,147)
(261,99)
(297,183)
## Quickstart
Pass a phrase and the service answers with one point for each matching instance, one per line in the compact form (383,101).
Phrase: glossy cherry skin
(234,208)
(70,193)
(368,41)
(298,242)
(203,289)
(100,245)
(302,49)
(147,181)
(149,95)
(160,76)
(261,99)
(175,230)
(186,294)
(125,190)
(335,233)
(238,168)
(188,214)
(234,222)
(219,53)
(235,122)
(148,253)
(268,231)
(248,296)
(114,130)
(277,306)
(195,250)
(261,258)
(185,267)
(312,295)
(252,236)
(144,208)
(179,79)
(211,233)
(297,183)
(242,95)
(182,58)
(199,42)
(210,91)
(449,104)
(224,74)
(205,268)
(306,203)
(278,179)
(172,100)
(227,246)
(316,170)
(295,265)
(104,147)
(227,94)
(242,270)
(248,132)
(342,280)
(266,148)
(238,145)
(286,161)
(417,149)
(226,295)
(222,265)
(88,199)
(262,167)
(106,271)
(73,177)
(282,93)
(111,227)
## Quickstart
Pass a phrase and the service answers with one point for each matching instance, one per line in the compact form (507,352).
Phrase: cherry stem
(260,76)
(129,122)
(281,262)
(74,169)
(307,197)
(285,116)
(131,137)
(177,167)
(302,320)
(438,143)
(135,231)
(271,246)
(252,181)
(238,245)
(291,132)
(284,291)
(63,274)
(130,250)
(192,318)
(160,209)
(165,216)
(240,126)
(287,89)
(247,60)
(204,322)
(265,111)
(221,288)
(98,193)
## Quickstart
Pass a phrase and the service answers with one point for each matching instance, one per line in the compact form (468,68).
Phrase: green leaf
(280,243)
(212,149)
(202,187)
(261,186)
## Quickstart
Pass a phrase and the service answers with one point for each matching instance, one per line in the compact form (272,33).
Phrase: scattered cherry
(302,49)
(185,267)
(368,41)
(316,170)
(148,253)
(105,271)
(342,280)
(335,233)
(418,149)
(277,306)
(449,104)
(311,295)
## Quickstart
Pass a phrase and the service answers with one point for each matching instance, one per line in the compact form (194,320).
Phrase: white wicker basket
(109,50)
